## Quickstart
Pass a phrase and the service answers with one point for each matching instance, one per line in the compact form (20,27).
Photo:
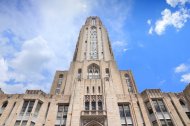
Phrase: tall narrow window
(149,108)
(93,71)
(87,90)
(128,81)
(99,89)
(3,107)
(93,90)
(60,80)
(125,115)
(100,105)
(79,73)
(87,105)
(107,72)
(93,21)
(37,109)
(93,43)
(93,105)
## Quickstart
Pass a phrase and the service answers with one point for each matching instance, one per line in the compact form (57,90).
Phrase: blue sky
(149,37)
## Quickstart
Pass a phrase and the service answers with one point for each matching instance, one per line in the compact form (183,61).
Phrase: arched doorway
(93,123)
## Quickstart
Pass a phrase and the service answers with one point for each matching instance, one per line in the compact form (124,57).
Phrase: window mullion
(162,111)
(24,113)
(124,114)
(62,116)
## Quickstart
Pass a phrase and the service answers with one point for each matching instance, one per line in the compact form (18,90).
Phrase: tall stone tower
(93,92)
(93,80)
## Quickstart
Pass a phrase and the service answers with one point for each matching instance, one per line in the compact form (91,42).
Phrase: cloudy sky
(152,38)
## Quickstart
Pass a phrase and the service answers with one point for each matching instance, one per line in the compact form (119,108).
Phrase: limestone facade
(93,92)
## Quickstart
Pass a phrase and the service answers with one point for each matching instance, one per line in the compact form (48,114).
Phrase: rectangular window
(93,105)
(154,123)
(188,114)
(57,90)
(162,106)
(17,123)
(148,105)
(169,122)
(159,105)
(87,106)
(93,21)
(20,123)
(125,115)
(24,123)
(37,109)
(30,106)
(32,124)
(60,81)
(27,107)
(107,72)
(156,106)
(62,114)
(163,115)
(163,123)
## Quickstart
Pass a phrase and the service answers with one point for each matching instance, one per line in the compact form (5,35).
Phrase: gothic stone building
(93,92)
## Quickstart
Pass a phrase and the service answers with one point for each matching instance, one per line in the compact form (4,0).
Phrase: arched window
(93,43)
(79,73)
(93,105)
(4,105)
(87,105)
(100,105)
(61,76)
(87,90)
(128,81)
(107,72)
(93,90)
(93,71)
(182,103)
(98,89)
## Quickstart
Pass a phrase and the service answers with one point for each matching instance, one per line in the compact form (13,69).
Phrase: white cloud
(124,50)
(149,21)
(119,46)
(181,68)
(176,19)
(185,78)
(150,30)
(174,3)
(3,70)
(35,56)
(141,45)
(42,37)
